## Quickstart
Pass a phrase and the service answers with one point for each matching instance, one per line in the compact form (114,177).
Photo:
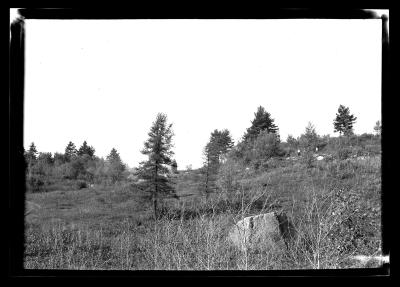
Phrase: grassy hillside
(334,205)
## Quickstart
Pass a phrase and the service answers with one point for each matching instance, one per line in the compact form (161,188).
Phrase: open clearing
(95,228)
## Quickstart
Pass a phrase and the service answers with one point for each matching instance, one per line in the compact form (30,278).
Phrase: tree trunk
(207,181)
(155,206)
(207,175)
(155,194)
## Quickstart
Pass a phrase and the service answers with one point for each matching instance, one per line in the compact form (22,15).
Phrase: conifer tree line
(260,141)
(261,147)
(256,150)
(80,167)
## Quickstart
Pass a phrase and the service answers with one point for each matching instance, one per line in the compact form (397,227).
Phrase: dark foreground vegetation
(331,191)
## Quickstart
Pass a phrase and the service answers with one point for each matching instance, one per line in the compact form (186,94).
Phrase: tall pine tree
(262,121)
(158,148)
(344,121)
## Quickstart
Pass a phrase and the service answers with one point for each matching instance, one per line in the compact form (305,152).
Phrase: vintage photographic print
(203,144)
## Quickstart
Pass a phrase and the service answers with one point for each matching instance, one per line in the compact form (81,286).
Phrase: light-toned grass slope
(335,207)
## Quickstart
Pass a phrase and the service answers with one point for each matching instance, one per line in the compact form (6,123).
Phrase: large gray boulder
(269,232)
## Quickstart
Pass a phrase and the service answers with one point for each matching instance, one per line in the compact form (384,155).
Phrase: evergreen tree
(113,156)
(220,143)
(31,155)
(262,121)
(158,148)
(344,121)
(115,166)
(30,162)
(210,169)
(224,143)
(70,151)
(378,128)
(85,149)
(81,161)
(309,140)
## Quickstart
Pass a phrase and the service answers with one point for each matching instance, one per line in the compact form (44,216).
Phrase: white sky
(104,81)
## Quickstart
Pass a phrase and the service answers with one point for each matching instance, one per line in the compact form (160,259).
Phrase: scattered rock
(270,231)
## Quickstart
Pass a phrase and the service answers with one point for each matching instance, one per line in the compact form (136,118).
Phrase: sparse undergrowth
(334,205)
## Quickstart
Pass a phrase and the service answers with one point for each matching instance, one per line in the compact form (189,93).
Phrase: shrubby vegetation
(72,169)
(162,220)
(214,154)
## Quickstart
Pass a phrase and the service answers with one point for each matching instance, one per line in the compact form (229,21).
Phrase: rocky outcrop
(270,231)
